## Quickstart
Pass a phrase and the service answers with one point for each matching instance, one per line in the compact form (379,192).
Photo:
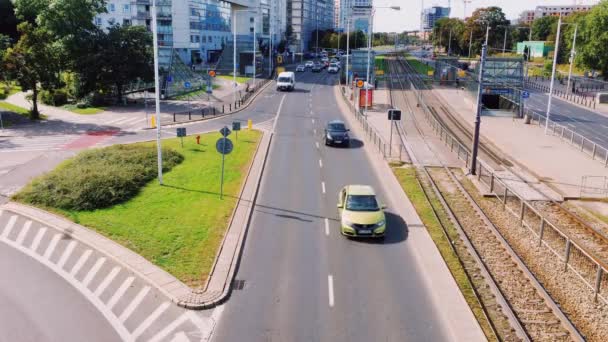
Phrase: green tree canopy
(8,20)
(593,39)
(543,27)
(477,23)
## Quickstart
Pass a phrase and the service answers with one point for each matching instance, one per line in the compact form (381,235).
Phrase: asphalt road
(584,121)
(306,282)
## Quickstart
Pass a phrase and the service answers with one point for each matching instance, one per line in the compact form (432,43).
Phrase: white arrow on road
(180,337)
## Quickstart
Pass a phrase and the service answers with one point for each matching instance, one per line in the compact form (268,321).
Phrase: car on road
(309,64)
(324,59)
(301,68)
(317,68)
(360,213)
(333,68)
(336,133)
(286,81)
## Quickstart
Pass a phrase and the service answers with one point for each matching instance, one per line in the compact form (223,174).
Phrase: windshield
(336,127)
(362,203)
(284,79)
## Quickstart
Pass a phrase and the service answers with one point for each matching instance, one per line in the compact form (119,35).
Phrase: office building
(306,16)
(431,15)
(528,16)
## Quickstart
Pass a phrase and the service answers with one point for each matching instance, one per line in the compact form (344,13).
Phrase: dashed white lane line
(93,271)
(66,254)
(323,186)
(51,248)
(276,118)
(317,143)
(330,289)
(134,303)
(320,163)
(37,239)
(313,120)
(9,226)
(104,284)
(121,291)
(149,320)
(314,131)
(83,258)
(326,226)
(23,233)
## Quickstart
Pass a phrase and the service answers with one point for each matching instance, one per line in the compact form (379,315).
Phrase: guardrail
(584,100)
(584,144)
(587,266)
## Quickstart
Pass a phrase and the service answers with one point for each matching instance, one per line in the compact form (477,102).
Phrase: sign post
(236,127)
(224,146)
(393,114)
(181,133)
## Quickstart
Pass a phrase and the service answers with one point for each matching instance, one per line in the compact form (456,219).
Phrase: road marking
(9,226)
(149,320)
(121,291)
(134,303)
(314,131)
(104,284)
(276,118)
(323,186)
(330,289)
(180,337)
(23,233)
(52,245)
(317,143)
(66,254)
(326,226)
(93,271)
(83,258)
(320,163)
(37,239)
(313,120)
(167,330)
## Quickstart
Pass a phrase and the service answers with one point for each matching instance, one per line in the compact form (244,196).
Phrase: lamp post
(555,53)
(159,150)
(572,55)
(347,48)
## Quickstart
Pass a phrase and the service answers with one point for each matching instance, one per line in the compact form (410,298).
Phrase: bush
(98,178)
(548,66)
(56,98)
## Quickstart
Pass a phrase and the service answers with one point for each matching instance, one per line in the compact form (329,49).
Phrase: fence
(588,267)
(594,186)
(568,135)
(587,101)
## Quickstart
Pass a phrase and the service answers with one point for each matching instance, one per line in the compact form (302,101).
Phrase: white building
(528,16)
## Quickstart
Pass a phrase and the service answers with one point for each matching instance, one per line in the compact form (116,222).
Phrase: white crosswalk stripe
(133,305)
(39,143)
(66,254)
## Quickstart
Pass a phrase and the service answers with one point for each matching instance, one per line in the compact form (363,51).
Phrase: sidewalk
(550,160)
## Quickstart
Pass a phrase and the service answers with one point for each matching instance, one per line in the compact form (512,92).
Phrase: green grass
(408,179)
(8,89)
(12,108)
(196,93)
(84,111)
(179,226)
(239,79)
(419,66)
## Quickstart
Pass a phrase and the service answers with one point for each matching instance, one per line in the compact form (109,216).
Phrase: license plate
(365,231)
(338,141)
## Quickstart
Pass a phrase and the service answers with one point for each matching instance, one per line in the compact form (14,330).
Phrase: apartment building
(528,16)
(431,15)
(304,17)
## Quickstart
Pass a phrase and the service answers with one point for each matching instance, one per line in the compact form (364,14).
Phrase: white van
(286,81)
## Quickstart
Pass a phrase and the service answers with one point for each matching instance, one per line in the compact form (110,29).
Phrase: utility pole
(369,52)
(487,33)
(450,43)
(159,149)
(555,53)
(474,149)
(254,41)
(572,55)
(470,41)
(234,55)
(504,44)
(347,48)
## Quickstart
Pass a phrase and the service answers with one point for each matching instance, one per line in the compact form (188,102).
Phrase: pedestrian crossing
(37,143)
(136,310)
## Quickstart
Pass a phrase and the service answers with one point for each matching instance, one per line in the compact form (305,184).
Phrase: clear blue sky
(408,18)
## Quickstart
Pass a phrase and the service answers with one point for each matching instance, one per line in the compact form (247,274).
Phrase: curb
(178,292)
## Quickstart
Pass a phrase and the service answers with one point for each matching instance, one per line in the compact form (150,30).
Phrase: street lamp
(157,95)
(234,47)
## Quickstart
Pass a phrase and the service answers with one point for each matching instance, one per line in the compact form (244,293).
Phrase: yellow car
(360,213)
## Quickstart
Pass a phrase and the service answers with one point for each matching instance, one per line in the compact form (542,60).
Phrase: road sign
(525,94)
(181,132)
(430,73)
(212,73)
(394,114)
(169,78)
(224,145)
(350,73)
(187,85)
(225,131)
(236,126)
(360,84)
(498,91)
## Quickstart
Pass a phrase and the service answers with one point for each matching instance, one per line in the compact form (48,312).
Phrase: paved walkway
(548,158)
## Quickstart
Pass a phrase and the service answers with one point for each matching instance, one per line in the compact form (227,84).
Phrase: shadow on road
(396,231)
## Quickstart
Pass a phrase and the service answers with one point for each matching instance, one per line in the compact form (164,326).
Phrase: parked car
(301,68)
(360,213)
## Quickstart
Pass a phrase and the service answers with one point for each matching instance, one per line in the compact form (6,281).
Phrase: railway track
(518,308)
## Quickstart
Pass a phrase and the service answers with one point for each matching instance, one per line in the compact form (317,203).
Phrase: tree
(33,62)
(441,35)
(477,23)
(593,43)
(8,20)
(4,45)
(543,27)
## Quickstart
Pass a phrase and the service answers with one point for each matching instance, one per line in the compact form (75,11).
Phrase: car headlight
(347,223)
(380,224)
(329,137)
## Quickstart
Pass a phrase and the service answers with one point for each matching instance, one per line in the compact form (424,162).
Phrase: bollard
(222,108)
(213,110)
(230,104)
(173,117)
(189,115)
(203,113)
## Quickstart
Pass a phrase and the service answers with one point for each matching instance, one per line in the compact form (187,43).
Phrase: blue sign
(350,73)
(187,85)
(169,78)
(525,94)
(498,91)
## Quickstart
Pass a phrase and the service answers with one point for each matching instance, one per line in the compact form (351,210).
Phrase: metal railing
(582,143)
(584,100)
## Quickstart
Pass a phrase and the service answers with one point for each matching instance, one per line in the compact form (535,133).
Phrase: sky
(387,20)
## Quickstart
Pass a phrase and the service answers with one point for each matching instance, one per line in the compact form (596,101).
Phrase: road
(303,280)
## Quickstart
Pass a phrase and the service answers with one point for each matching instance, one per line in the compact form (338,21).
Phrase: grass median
(420,67)
(180,225)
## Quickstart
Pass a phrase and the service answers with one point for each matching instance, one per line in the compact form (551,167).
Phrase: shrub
(56,98)
(98,178)
(46,97)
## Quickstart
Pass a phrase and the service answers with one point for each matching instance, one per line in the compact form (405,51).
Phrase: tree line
(458,35)
(53,47)
(357,39)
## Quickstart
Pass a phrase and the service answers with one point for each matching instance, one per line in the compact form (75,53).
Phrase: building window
(126,8)
(251,19)
(111,8)
(251,29)
(204,39)
(111,21)
(210,39)
(126,22)
(98,21)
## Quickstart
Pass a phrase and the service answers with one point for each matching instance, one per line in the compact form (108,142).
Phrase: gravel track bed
(566,288)
(530,308)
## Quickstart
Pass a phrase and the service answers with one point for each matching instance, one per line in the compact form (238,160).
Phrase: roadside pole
(473,165)
(572,55)
(555,53)
(157,95)
(223,160)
